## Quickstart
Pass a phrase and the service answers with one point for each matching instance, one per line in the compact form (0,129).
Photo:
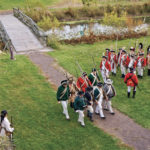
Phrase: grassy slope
(138,109)
(9,4)
(38,121)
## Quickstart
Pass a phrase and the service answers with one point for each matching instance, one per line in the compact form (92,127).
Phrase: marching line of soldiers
(91,94)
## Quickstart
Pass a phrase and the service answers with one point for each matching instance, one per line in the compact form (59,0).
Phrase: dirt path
(119,125)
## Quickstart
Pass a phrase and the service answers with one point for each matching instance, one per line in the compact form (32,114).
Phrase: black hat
(107,49)
(80,93)
(104,57)
(124,51)
(93,69)
(63,82)
(112,51)
(141,54)
(140,45)
(84,74)
(132,49)
(3,112)
(89,88)
(132,55)
(99,84)
(120,49)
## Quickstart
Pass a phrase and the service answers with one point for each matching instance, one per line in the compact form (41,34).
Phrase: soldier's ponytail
(3,115)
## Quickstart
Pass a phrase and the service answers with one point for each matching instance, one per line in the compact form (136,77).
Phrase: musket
(11,136)
(117,42)
(95,65)
(79,67)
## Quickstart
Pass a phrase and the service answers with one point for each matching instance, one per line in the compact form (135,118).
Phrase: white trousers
(81,117)
(129,89)
(113,68)
(140,71)
(65,110)
(123,69)
(104,75)
(99,108)
(107,105)
(90,108)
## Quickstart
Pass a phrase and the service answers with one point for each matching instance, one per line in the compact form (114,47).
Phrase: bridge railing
(31,24)
(7,41)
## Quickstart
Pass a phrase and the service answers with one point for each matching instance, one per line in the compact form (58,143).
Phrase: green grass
(137,108)
(9,4)
(37,118)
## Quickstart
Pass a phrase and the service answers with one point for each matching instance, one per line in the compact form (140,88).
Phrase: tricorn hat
(112,50)
(89,88)
(99,84)
(63,82)
(107,49)
(124,51)
(132,49)
(93,69)
(104,57)
(84,74)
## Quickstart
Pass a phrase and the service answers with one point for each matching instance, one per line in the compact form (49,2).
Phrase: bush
(53,42)
(112,19)
(48,23)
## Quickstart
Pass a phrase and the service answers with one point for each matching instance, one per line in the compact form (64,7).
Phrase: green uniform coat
(60,93)
(92,78)
(79,103)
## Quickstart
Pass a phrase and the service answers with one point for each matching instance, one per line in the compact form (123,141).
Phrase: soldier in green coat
(63,94)
(79,106)
(93,77)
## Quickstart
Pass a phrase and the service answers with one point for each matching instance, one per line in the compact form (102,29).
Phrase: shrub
(112,19)
(53,42)
(71,12)
(48,23)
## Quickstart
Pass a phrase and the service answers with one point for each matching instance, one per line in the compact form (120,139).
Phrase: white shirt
(5,124)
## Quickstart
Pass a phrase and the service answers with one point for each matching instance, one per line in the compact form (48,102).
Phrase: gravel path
(119,125)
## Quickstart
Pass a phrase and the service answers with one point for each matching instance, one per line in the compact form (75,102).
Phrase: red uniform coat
(107,65)
(143,61)
(131,79)
(83,84)
(125,61)
(108,54)
(134,63)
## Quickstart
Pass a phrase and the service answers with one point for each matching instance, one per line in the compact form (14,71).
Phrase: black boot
(122,76)
(88,113)
(141,77)
(138,76)
(114,74)
(71,104)
(148,72)
(91,116)
(134,92)
(128,94)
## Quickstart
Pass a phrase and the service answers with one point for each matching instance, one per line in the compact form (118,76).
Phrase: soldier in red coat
(141,63)
(123,63)
(108,54)
(105,68)
(132,81)
(148,61)
(83,82)
(131,62)
(113,62)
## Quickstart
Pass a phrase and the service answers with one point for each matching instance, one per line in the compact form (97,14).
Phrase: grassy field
(9,4)
(37,118)
(137,108)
